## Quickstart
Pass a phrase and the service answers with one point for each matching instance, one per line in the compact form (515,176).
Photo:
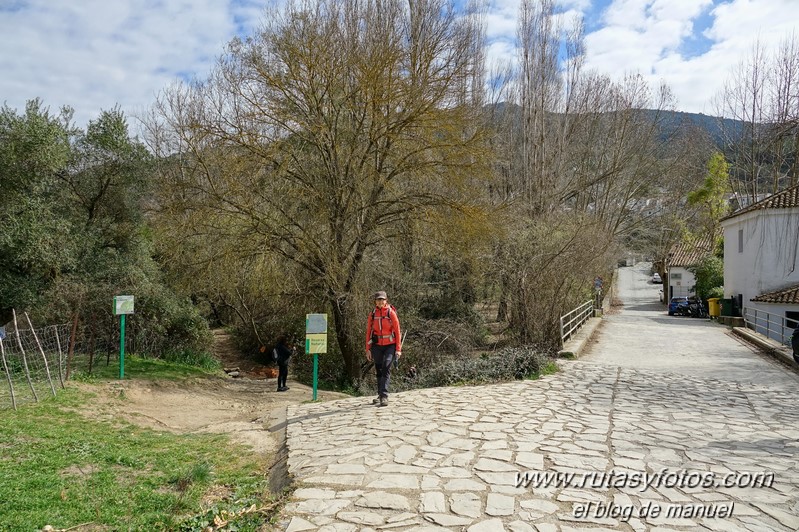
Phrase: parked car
(678,305)
(656,278)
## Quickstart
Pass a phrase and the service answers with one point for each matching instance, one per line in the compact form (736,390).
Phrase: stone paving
(448,458)
(451,459)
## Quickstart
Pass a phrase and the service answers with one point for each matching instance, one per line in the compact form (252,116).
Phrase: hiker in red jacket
(383,343)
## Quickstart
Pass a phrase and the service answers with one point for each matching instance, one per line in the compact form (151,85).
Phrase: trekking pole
(402,342)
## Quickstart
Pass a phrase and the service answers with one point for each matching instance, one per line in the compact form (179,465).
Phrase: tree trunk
(502,308)
(351,352)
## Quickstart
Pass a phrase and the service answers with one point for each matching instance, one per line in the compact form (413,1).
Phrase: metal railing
(770,325)
(572,320)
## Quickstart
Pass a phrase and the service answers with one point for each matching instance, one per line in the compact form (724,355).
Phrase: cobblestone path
(635,446)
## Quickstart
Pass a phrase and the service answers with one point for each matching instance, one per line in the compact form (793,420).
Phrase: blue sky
(95,54)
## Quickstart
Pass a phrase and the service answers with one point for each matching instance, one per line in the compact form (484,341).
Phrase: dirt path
(244,407)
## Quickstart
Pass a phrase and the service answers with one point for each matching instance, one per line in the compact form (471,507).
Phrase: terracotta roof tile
(788,295)
(786,199)
(689,253)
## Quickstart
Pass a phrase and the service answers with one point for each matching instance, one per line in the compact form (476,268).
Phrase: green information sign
(315,323)
(315,342)
(123,305)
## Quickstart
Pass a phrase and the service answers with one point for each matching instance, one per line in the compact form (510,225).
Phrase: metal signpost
(123,305)
(598,297)
(315,342)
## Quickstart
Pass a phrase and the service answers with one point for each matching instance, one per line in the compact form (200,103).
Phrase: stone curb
(773,348)
(574,346)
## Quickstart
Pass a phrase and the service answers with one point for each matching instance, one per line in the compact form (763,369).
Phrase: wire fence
(38,359)
(34,361)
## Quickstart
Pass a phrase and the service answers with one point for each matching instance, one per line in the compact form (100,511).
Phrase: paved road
(675,399)
(644,336)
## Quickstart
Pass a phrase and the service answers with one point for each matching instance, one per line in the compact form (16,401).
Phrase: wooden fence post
(44,357)
(24,358)
(60,358)
(8,374)
(71,349)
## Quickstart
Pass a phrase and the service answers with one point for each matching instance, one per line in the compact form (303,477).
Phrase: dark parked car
(678,305)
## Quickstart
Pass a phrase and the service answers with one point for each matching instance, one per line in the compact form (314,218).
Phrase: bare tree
(784,119)
(317,138)
(761,97)
(579,143)
(539,91)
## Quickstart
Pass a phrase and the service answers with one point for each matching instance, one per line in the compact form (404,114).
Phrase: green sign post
(315,342)
(123,305)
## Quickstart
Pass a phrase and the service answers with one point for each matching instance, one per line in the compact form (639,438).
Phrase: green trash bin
(727,306)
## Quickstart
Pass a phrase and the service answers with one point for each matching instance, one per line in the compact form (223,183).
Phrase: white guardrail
(770,325)
(572,320)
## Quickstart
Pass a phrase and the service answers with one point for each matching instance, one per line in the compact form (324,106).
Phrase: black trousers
(283,373)
(383,357)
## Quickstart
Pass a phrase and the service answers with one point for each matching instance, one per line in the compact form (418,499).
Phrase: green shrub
(716,291)
(512,363)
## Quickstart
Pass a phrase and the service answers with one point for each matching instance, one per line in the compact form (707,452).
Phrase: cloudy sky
(95,54)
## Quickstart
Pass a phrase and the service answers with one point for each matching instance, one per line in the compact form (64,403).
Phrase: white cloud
(94,54)
(649,36)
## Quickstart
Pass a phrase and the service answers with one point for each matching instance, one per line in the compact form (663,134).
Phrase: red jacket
(384,323)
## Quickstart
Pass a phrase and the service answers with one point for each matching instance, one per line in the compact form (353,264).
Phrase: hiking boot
(376,400)
(383,401)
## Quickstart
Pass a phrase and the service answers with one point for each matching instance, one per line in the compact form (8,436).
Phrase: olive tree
(315,139)
(34,243)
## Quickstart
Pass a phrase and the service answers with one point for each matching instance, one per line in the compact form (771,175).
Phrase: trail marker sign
(123,305)
(315,342)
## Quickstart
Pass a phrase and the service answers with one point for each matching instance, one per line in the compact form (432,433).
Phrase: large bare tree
(317,138)
(580,143)
(761,96)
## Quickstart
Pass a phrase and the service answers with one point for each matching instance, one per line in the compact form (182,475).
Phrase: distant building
(683,255)
(761,258)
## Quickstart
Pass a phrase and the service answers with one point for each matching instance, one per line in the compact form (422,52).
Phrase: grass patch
(60,469)
(145,368)
(548,368)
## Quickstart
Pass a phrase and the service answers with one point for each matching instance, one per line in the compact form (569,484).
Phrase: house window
(676,276)
(740,240)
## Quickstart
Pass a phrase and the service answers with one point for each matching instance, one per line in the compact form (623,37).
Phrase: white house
(761,261)
(679,278)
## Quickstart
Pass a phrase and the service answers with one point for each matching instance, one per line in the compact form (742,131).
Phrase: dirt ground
(246,407)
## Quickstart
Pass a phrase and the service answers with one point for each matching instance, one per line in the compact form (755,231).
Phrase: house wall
(769,257)
(680,282)
(770,319)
